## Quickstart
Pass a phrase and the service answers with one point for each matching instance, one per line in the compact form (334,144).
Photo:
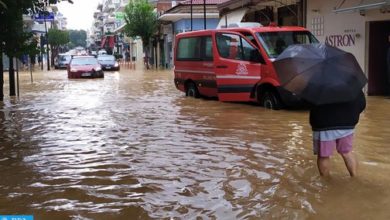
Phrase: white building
(359,27)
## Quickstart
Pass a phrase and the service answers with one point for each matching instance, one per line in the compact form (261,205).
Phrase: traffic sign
(41,17)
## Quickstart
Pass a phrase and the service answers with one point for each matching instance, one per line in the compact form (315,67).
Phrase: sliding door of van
(194,64)
(236,75)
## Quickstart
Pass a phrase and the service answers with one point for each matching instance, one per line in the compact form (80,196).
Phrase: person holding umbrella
(333,127)
(388,59)
(331,81)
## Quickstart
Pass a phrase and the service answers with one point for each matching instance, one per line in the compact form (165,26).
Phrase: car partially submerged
(84,67)
(108,62)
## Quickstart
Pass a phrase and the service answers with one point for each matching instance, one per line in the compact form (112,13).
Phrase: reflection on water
(130,146)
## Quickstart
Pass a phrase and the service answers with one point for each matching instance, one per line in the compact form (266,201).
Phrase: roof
(201,2)
(183,11)
(251,29)
(267,28)
(231,5)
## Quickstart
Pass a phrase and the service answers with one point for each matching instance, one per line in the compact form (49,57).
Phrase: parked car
(236,64)
(84,67)
(102,52)
(62,61)
(108,62)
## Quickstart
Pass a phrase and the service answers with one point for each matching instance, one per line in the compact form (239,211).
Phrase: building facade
(359,27)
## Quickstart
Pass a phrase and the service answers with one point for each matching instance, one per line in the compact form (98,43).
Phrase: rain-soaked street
(131,146)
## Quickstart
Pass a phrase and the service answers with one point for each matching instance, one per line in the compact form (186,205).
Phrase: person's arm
(362,101)
(388,59)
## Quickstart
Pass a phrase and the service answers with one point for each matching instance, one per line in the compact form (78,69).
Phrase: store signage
(347,39)
(119,16)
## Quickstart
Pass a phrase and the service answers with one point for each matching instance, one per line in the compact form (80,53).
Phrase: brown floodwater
(131,146)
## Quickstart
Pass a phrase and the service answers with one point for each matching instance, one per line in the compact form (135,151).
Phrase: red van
(235,64)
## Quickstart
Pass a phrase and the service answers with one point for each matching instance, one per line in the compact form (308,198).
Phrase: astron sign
(347,39)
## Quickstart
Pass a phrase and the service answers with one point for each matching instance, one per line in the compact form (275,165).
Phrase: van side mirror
(256,57)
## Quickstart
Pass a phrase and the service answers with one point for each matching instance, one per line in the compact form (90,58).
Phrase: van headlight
(97,69)
(73,70)
(116,64)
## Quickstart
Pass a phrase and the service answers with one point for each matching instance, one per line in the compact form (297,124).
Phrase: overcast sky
(79,14)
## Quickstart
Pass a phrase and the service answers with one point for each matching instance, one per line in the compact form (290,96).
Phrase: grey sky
(79,14)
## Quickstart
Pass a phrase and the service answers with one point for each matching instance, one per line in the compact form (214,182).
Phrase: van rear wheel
(192,91)
(270,101)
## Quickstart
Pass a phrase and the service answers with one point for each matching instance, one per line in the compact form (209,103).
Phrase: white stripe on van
(195,71)
(237,77)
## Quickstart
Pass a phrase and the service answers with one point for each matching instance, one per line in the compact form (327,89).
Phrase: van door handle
(222,66)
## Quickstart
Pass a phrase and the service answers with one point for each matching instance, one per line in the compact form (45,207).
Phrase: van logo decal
(241,69)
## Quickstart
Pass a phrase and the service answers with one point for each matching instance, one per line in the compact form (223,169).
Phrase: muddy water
(130,146)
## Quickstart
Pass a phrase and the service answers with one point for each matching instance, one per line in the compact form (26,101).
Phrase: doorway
(378,79)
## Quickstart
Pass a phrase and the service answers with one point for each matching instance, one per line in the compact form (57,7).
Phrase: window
(247,50)
(195,49)
(208,44)
(232,46)
(189,48)
(276,42)
(84,61)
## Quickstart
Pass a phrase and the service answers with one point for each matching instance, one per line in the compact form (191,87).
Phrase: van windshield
(275,42)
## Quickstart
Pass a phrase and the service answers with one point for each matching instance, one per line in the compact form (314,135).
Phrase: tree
(2,4)
(141,21)
(14,41)
(78,38)
(56,39)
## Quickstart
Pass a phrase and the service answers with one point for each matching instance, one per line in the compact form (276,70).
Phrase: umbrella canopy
(319,73)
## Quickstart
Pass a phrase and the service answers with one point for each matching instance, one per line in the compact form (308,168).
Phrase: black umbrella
(319,73)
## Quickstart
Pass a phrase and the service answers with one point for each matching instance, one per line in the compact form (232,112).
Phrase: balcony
(122,6)
(27,19)
(109,6)
(109,20)
(97,14)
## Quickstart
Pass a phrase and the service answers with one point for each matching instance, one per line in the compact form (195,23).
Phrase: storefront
(359,27)
(283,13)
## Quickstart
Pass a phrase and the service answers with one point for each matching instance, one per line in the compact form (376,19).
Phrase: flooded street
(131,146)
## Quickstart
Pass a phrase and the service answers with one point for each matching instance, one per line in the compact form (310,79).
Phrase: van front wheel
(192,91)
(271,101)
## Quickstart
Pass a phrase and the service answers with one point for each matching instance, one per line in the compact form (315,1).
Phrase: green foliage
(78,38)
(2,5)
(58,37)
(11,28)
(140,20)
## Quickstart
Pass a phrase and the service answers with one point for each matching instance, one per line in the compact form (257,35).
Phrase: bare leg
(323,164)
(350,162)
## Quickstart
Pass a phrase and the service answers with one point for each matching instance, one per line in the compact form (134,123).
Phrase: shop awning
(103,42)
(232,18)
(111,41)
(373,5)
(178,16)
(120,28)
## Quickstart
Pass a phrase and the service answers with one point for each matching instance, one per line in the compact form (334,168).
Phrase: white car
(102,52)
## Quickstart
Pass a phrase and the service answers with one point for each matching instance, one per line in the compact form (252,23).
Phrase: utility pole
(204,13)
(47,41)
(191,14)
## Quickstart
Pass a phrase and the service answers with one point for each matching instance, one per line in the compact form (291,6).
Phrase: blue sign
(16,217)
(43,17)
